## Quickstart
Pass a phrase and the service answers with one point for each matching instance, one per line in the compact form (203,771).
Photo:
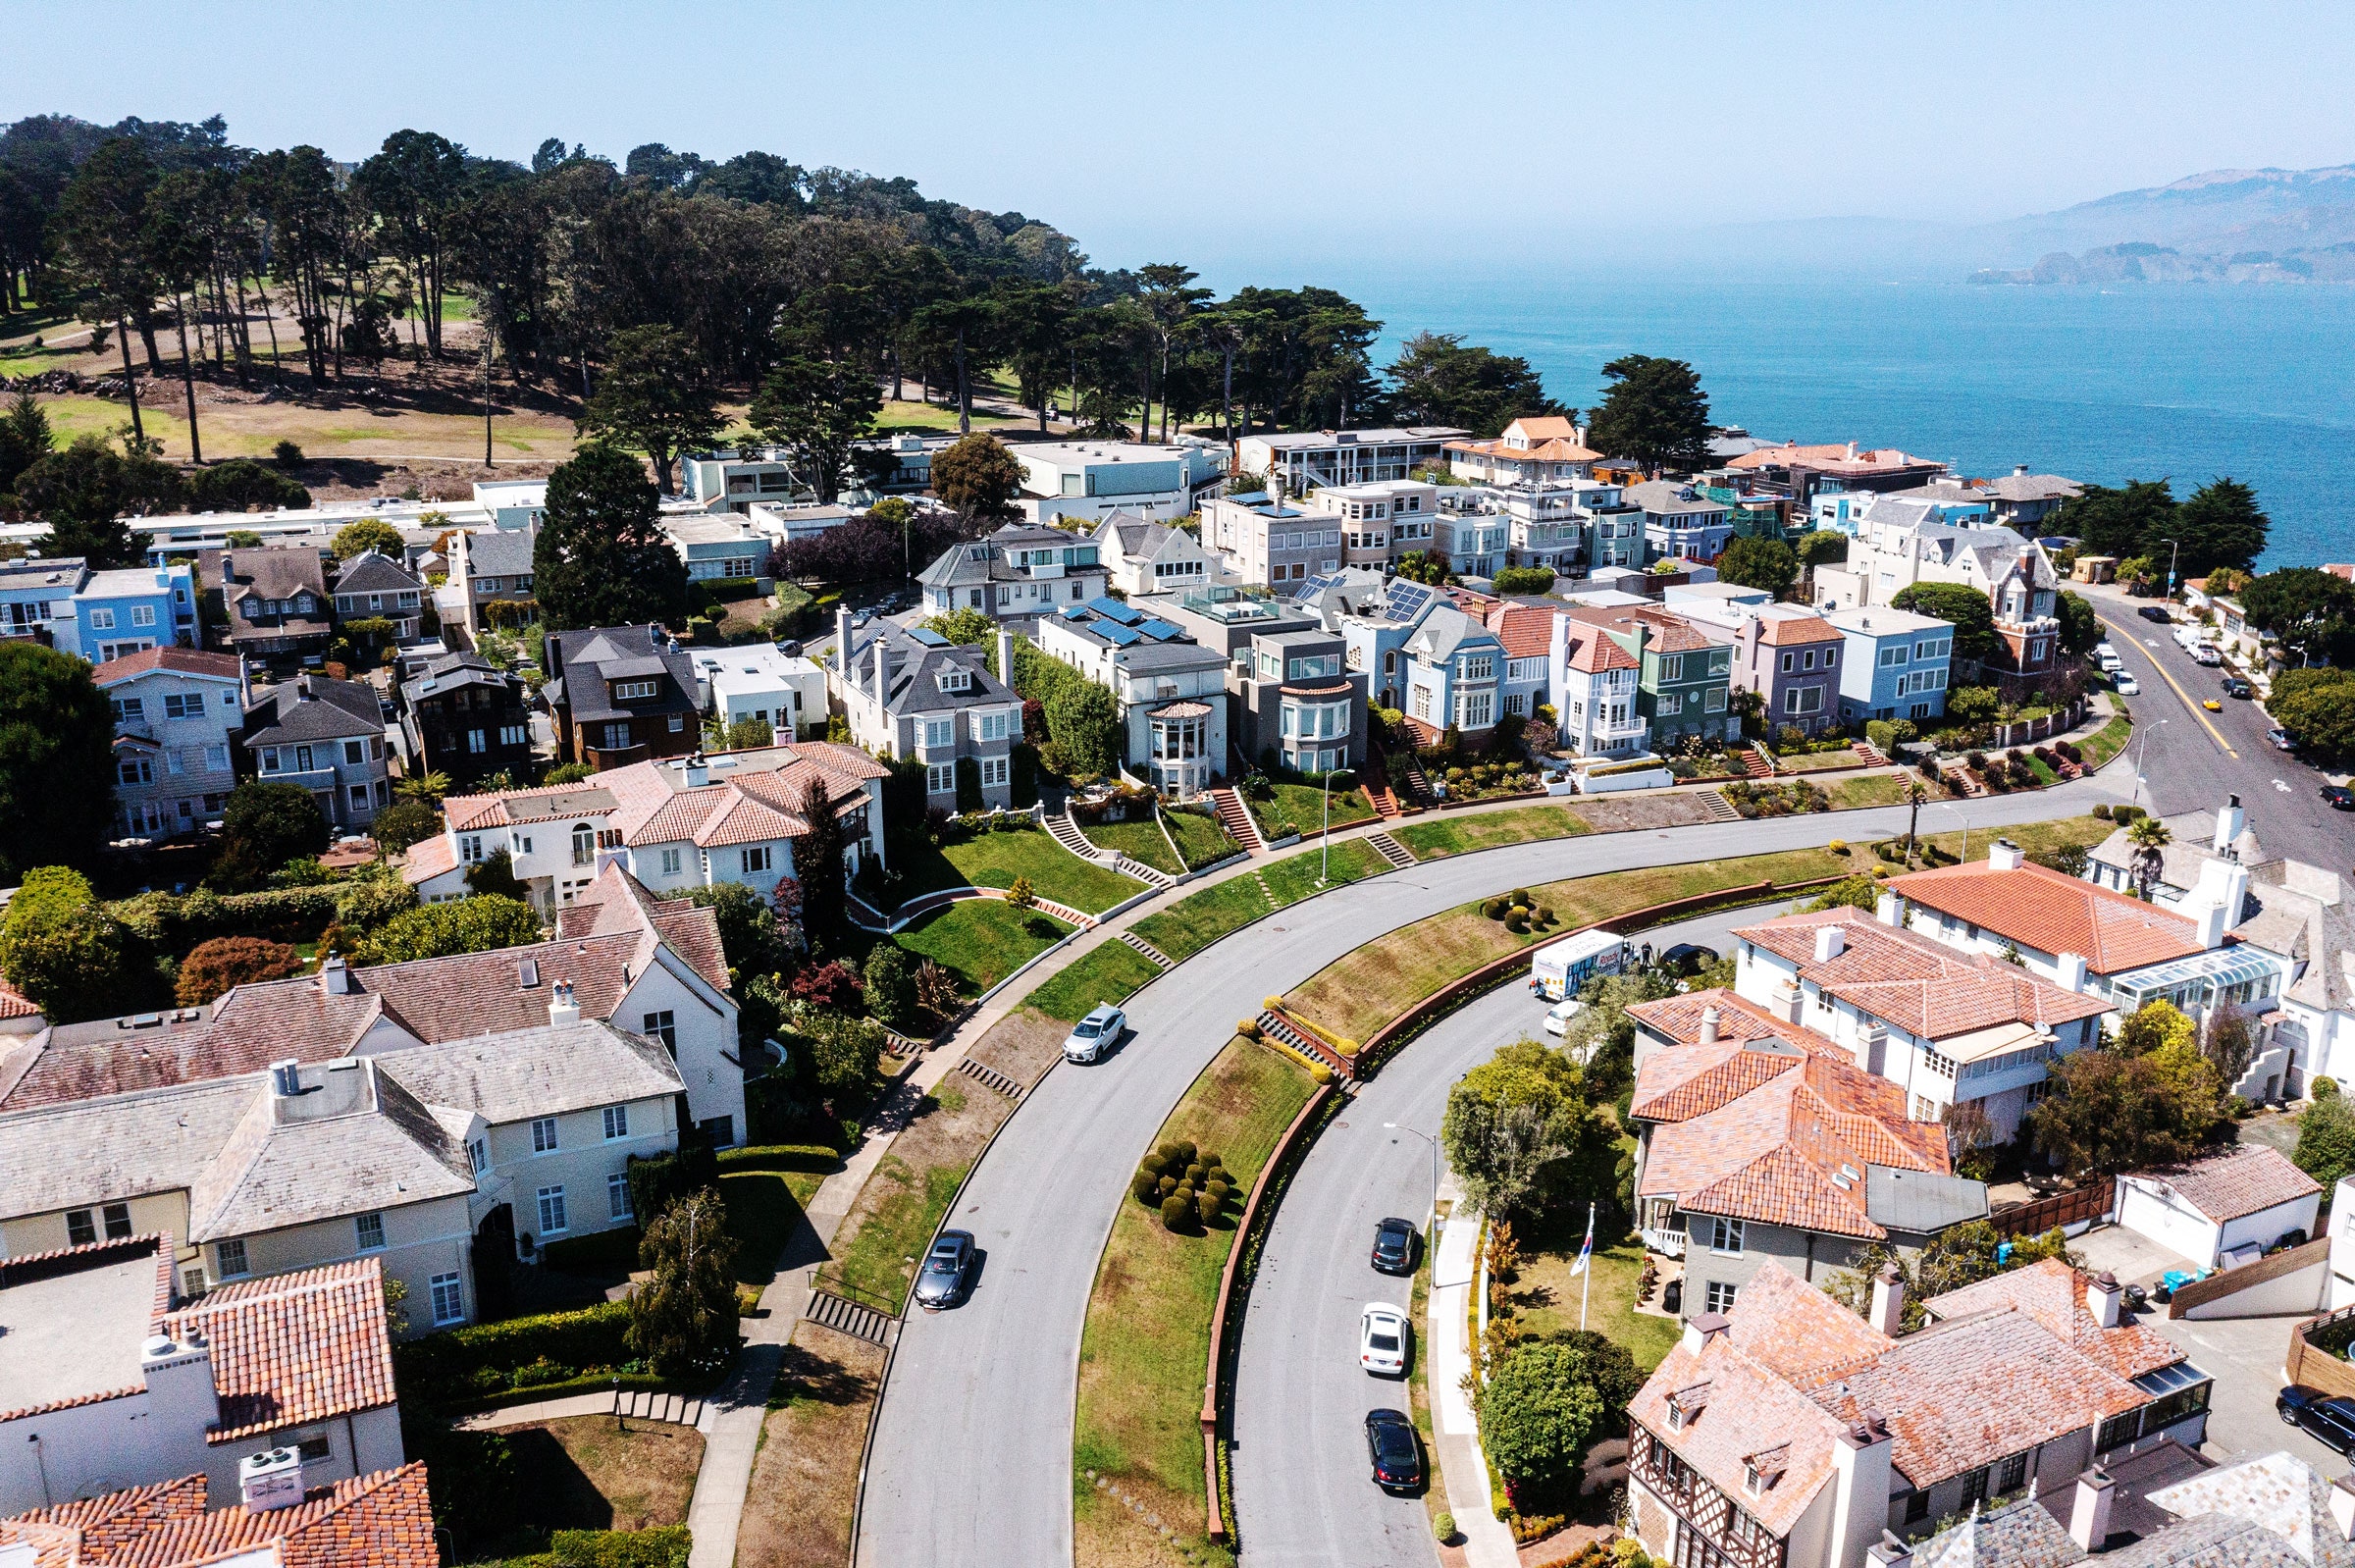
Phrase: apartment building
(717,547)
(327,737)
(732,480)
(913,696)
(1790,659)
(178,713)
(1019,572)
(1295,698)
(1473,539)
(1379,522)
(1680,522)
(1801,471)
(1593,687)
(1171,691)
(760,681)
(1087,480)
(1345,456)
(1263,537)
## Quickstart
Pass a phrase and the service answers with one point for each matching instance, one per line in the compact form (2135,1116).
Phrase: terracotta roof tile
(1926,988)
(382,1520)
(178,660)
(428,859)
(1747,1409)
(1524,630)
(294,1349)
(2238,1181)
(2039,907)
(1789,630)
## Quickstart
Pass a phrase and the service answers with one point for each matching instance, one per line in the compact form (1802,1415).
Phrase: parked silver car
(948,1270)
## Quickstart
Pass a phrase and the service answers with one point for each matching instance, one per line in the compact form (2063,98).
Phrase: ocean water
(2187,382)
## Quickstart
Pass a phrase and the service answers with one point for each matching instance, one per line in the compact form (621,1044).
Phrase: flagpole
(1586,1286)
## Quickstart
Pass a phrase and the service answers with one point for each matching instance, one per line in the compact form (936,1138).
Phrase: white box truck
(1561,968)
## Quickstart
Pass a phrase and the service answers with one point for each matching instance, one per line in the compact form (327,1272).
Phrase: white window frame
(1721,1294)
(447,1292)
(230,1260)
(551,1205)
(544,1135)
(368,1232)
(1725,1237)
(617,1197)
(618,1121)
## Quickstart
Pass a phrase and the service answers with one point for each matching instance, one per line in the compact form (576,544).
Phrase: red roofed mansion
(381,1520)
(1791,1432)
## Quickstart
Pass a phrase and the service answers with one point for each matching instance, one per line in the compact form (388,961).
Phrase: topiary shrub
(2323,1090)
(1319,1073)
(1193,1174)
(1516,919)
(1210,1159)
(1208,1206)
(1495,908)
(1173,1212)
(1147,1187)
(1521,897)
(2101,813)
(1248,1028)
(1182,1153)
(1838,846)
(1166,1185)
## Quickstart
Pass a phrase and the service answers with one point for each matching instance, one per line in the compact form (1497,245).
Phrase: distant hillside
(2225,225)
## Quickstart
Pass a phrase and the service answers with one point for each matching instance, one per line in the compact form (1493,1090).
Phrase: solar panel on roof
(1406,600)
(1117,635)
(1112,610)
(1160,631)
(926,635)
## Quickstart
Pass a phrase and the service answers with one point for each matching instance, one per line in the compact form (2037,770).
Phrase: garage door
(2176,1229)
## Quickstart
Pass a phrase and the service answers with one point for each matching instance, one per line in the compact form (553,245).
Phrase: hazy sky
(1270,134)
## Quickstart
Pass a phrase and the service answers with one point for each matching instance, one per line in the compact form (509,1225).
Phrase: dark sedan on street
(1397,1452)
(2154,612)
(948,1270)
(2333,1420)
(2234,686)
(1394,1245)
(2339,797)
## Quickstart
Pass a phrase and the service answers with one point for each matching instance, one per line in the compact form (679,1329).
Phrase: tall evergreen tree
(600,559)
(1653,412)
(654,398)
(816,411)
(2219,524)
(57,766)
(1438,379)
(817,866)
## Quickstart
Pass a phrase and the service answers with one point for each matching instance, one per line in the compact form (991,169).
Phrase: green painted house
(1683,688)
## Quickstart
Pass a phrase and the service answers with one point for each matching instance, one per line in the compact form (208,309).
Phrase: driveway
(2129,1254)
(1005,1365)
(2244,1355)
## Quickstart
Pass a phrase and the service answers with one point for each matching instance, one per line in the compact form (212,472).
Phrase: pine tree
(600,559)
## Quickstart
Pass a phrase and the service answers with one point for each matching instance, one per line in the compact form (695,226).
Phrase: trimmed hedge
(521,1352)
(176,921)
(665,1546)
(818,1158)
(656,1183)
(603,1252)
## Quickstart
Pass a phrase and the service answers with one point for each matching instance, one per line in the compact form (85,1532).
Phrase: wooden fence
(2289,1260)
(2062,1209)
(2314,1367)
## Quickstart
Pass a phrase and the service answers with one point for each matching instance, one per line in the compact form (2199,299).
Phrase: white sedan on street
(1382,1339)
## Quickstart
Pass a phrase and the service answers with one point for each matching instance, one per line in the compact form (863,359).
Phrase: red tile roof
(294,1349)
(178,660)
(2053,1294)
(1524,630)
(1829,457)
(382,1520)
(1677,1019)
(428,859)
(1929,990)
(1783,1139)
(1670,633)
(14,1004)
(1745,1409)
(2039,907)
(2238,1181)
(1791,631)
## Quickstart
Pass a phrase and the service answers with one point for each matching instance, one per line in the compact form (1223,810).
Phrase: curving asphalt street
(972,1448)
(1301,1493)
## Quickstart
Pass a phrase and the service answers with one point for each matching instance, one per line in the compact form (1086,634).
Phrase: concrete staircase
(1751,762)
(1721,809)
(1153,955)
(1066,833)
(1276,1027)
(990,1077)
(1870,755)
(1142,872)
(651,1404)
(1235,818)
(1390,850)
(845,1316)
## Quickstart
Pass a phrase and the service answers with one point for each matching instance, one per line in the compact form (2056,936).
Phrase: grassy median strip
(1869,789)
(2104,743)
(1110,971)
(1443,836)
(1143,1357)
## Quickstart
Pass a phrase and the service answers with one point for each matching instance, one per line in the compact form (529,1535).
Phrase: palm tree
(425,787)
(2149,836)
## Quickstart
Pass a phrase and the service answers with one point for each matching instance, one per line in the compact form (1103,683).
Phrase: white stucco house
(2222,1210)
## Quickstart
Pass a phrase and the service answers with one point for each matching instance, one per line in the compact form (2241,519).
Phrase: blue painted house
(98,615)
(1896,664)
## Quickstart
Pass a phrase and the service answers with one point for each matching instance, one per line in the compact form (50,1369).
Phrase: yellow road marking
(2189,702)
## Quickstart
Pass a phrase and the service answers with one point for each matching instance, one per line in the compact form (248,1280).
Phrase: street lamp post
(2174,553)
(1325,837)
(1400,1127)
(1965,817)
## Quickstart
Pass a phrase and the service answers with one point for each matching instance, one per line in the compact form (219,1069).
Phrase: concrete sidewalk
(1446,1335)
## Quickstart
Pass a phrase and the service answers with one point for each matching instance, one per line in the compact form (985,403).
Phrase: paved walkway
(1446,1338)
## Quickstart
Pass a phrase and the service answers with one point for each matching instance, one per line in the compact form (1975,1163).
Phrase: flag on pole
(1585,1248)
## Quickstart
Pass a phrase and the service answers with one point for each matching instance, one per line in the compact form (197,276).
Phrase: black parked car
(1687,959)
(2331,1420)
(948,1270)
(2339,797)
(2154,612)
(1397,1452)
(1394,1246)
(2234,686)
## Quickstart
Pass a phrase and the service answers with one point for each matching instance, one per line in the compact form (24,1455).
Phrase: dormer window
(956,679)
(630,691)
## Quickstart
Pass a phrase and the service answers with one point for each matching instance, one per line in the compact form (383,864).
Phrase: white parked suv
(1091,1034)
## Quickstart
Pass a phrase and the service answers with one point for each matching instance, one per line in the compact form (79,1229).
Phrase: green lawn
(1200,919)
(929,417)
(981,941)
(1305,808)
(995,860)
(1110,973)
(1200,838)
(764,1208)
(1547,1295)
(1147,1340)
(1442,836)
(1871,789)
(2106,742)
(1139,841)
(878,1260)
(1813,762)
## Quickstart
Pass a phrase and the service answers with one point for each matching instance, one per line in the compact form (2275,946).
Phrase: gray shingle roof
(500,552)
(313,708)
(589,659)
(912,673)
(375,574)
(533,1072)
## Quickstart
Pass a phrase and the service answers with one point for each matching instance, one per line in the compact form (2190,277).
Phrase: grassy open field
(253,429)
(806,1471)
(589,1472)
(1142,1356)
